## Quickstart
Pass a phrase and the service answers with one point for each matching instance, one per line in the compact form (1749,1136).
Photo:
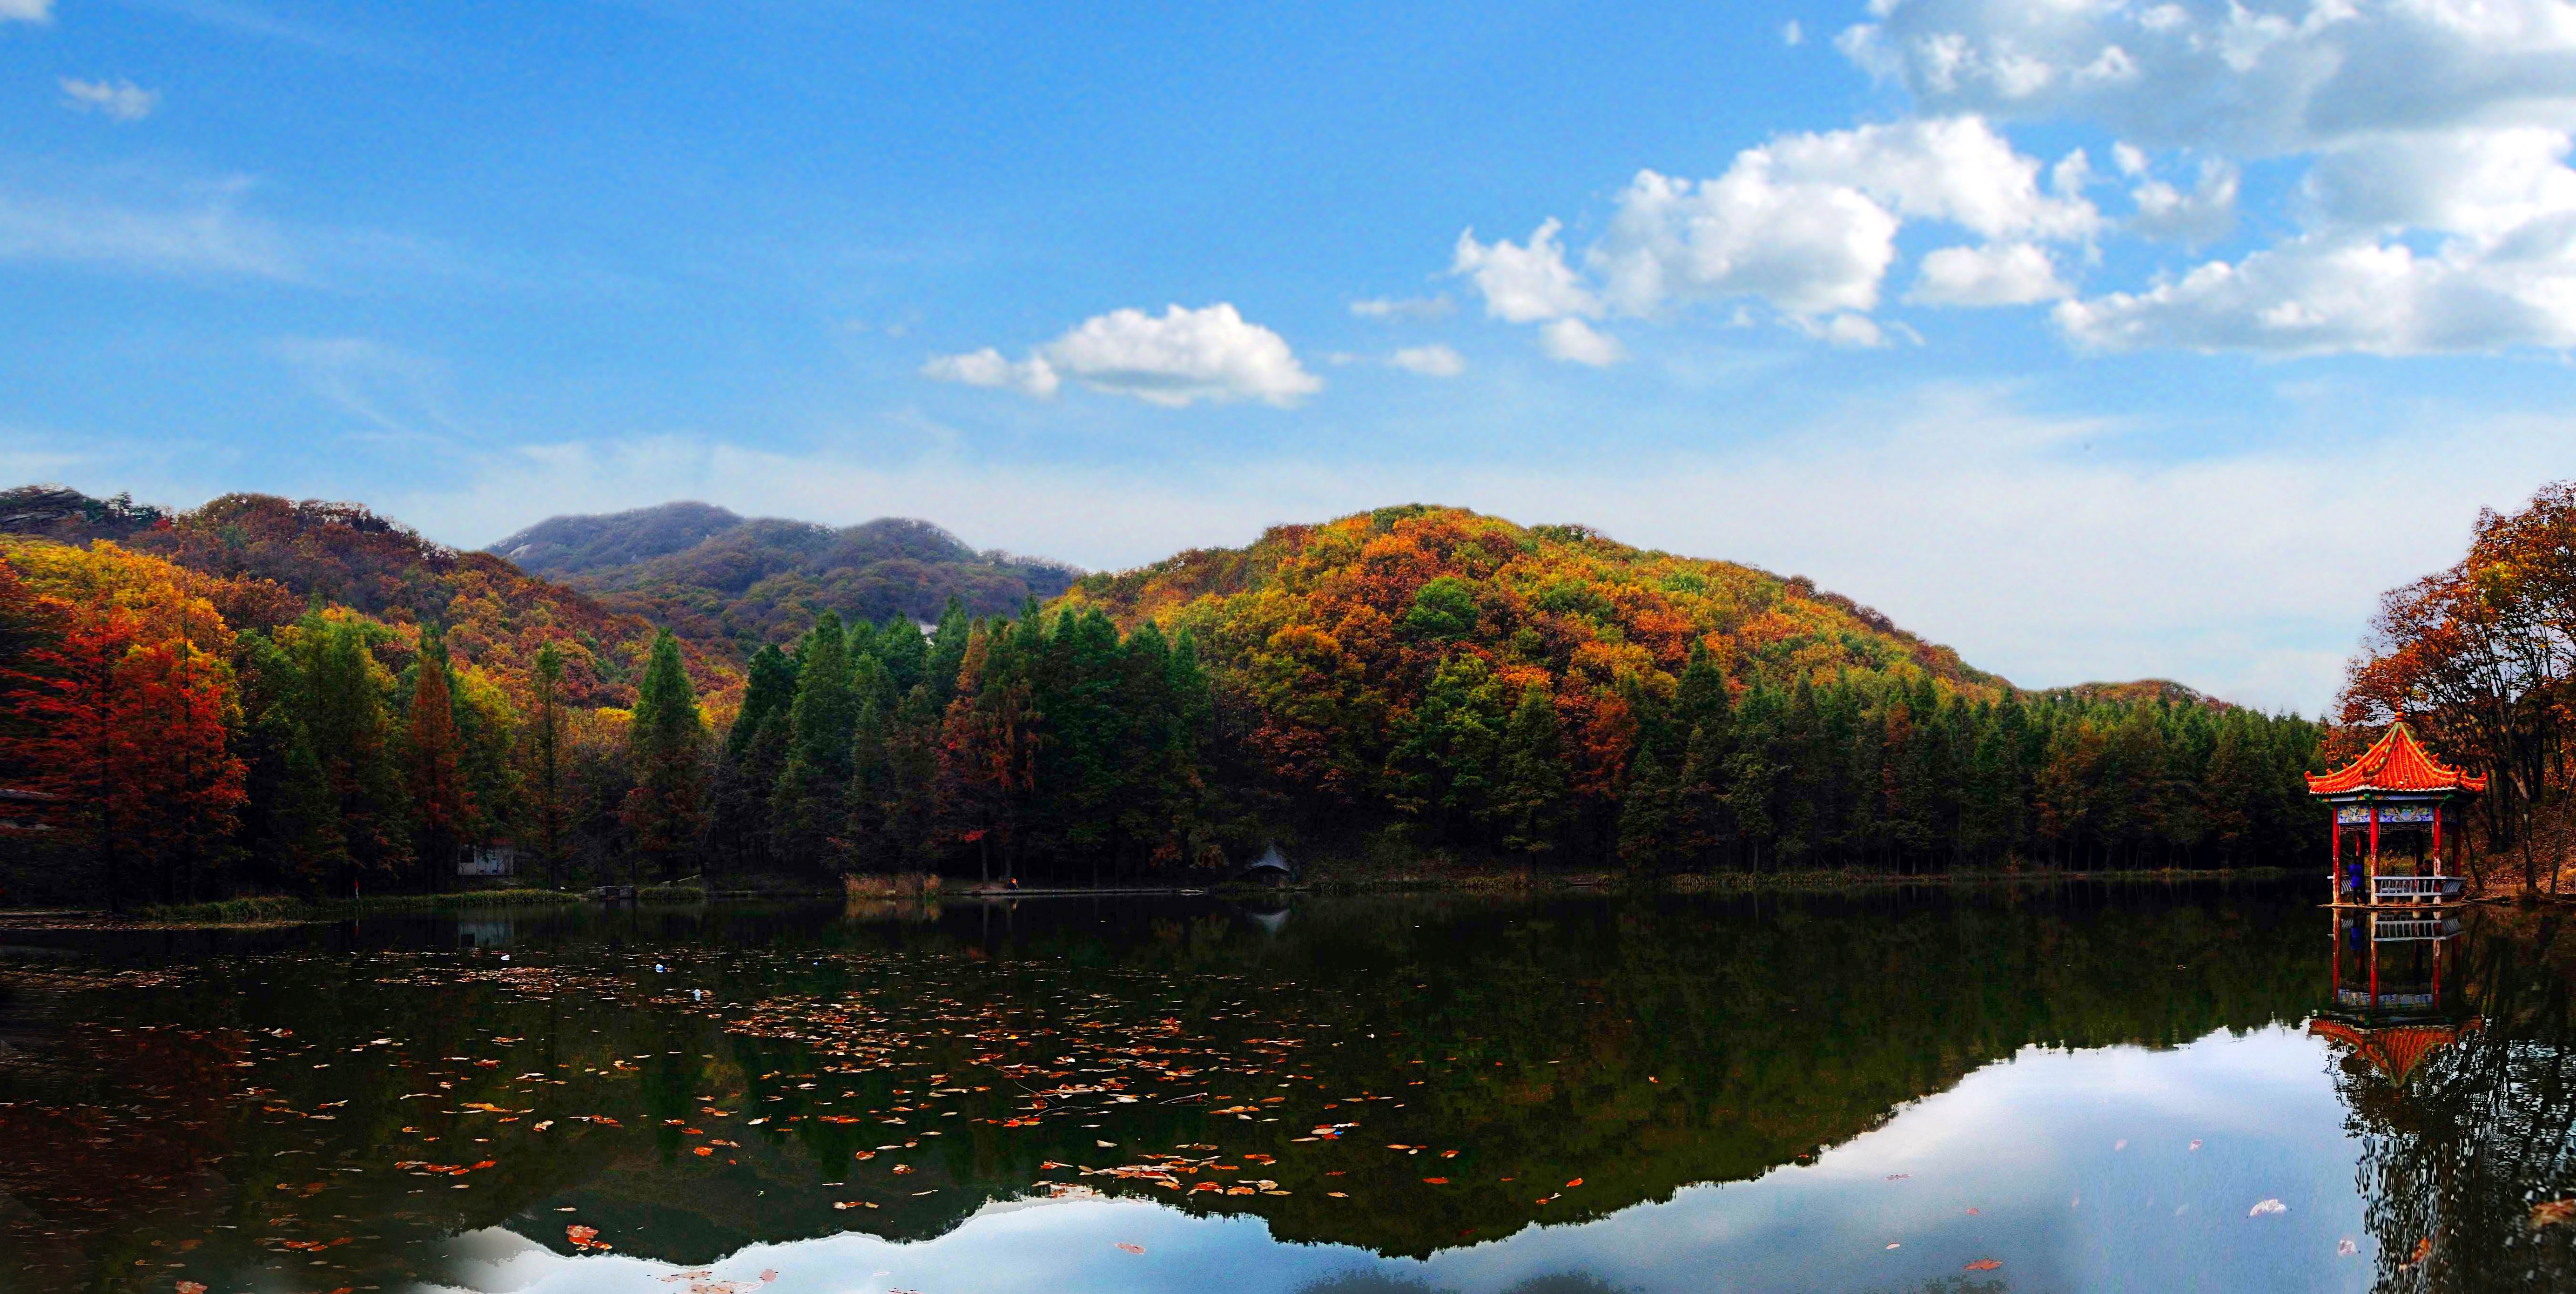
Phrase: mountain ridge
(708,571)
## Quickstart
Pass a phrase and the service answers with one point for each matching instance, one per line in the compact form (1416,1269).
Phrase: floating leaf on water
(2549,1213)
(1984,1265)
(1126,1248)
(2267,1208)
(2345,1248)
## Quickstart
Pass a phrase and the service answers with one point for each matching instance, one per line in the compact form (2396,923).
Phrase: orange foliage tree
(2482,658)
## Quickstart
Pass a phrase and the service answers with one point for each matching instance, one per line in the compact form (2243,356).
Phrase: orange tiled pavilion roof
(2394,763)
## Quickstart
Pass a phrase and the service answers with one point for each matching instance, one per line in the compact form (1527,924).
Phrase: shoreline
(259,912)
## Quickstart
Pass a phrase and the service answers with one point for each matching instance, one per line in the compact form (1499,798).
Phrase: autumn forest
(261,696)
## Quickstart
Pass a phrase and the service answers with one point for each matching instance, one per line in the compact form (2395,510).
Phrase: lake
(2131,1087)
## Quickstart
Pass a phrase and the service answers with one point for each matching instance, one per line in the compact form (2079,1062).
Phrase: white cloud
(1429,361)
(1527,283)
(1954,169)
(1576,342)
(1175,359)
(1807,248)
(26,10)
(1420,309)
(987,367)
(2204,215)
(117,100)
(2325,294)
(1807,223)
(2007,274)
(2259,79)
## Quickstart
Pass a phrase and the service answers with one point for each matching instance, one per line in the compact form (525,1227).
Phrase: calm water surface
(2128,1089)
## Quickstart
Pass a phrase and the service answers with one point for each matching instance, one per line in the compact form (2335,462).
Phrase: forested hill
(268,560)
(709,573)
(1403,586)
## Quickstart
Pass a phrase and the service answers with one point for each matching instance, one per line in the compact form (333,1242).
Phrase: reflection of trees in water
(2457,1152)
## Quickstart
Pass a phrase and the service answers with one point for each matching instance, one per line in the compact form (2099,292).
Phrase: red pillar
(2437,837)
(2370,880)
(2334,865)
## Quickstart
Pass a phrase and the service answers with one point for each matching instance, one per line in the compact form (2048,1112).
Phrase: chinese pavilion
(2394,789)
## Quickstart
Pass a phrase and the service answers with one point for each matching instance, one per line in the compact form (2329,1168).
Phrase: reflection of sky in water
(2028,1143)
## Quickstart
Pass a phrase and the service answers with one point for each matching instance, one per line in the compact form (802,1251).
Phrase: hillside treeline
(153,750)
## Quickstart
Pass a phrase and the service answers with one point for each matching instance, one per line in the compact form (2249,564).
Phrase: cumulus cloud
(1807,224)
(2322,294)
(988,367)
(1177,358)
(2432,207)
(1429,361)
(2009,274)
(1577,342)
(2259,79)
(116,100)
(1525,283)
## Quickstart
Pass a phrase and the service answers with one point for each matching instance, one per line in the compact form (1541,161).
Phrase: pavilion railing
(2415,888)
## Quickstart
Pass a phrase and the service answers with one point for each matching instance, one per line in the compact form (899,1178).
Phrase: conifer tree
(665,744)
(807,808)
(549,813)
(442,807)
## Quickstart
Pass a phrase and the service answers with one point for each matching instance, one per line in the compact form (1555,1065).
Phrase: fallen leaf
(1984,1265)
(2195,1143)
(2345,1248)
(2423,1250)
(191,1287)
(1126,1248)
(1576,1182)
(2267,1208)
(2549,1213)
(1437,1181)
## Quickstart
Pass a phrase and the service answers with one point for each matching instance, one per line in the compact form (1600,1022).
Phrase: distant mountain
(280,556)
(710,573)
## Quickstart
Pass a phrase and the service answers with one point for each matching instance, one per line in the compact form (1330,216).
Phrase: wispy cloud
(393,393)
(250,20)
(116,100)
(200,230)
(1416,309)
(26,10)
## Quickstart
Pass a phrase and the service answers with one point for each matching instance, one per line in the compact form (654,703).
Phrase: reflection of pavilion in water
(2390,1006)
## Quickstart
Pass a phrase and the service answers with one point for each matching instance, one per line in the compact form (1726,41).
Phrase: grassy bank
(264,909)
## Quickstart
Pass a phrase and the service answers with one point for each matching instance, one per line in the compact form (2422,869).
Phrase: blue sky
(2098,339)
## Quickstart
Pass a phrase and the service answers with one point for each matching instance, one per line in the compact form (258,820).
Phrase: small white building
(488,860)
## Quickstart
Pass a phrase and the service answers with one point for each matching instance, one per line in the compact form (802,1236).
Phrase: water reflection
(2088,1090)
